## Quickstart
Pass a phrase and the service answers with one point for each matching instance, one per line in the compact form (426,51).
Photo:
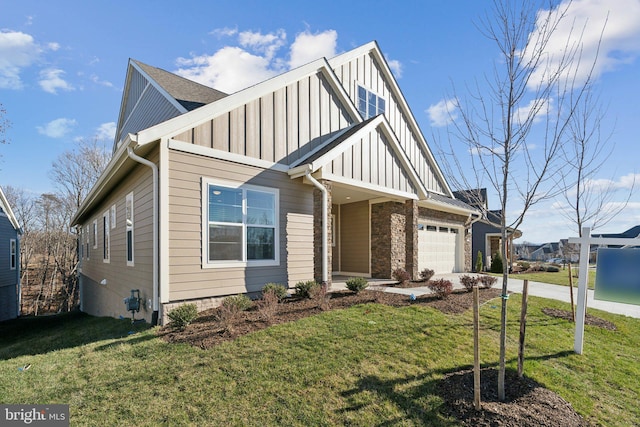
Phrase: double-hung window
(128,207)
(370,104)
(106,242)
(240,224)
(13,254)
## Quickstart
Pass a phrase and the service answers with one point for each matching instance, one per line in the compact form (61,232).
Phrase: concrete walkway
(544,290)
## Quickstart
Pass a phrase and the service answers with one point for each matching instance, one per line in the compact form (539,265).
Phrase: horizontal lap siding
(188,280)
(278,127)
(107,300)
(364,71)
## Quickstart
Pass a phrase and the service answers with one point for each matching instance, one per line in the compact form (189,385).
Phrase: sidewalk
(537,289)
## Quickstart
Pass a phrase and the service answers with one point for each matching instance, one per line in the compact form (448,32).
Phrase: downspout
(154,168)
(325,232)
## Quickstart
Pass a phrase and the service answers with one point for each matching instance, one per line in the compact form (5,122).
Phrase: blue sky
(63,64)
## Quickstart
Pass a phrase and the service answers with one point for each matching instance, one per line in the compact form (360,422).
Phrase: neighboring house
(546,252)
(569,252)
(319,171)
(631,233)
(10,233)
(486,232)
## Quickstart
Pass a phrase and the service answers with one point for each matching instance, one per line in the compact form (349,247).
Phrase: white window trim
(113,216)
(88,251)
(13,254)
(95,234)
(205,226)
(106,242)
(129,225)
(369,90)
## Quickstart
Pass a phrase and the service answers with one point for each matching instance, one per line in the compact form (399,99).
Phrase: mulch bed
(527,402)
(588,319)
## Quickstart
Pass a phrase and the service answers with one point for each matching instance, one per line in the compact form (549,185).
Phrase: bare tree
(514,129)
(76,171)
(24,207)
(588,200)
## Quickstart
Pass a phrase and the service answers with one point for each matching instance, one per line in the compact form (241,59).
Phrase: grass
(559,278)
(367,365)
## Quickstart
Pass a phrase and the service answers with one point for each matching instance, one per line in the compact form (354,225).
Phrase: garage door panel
(438,249)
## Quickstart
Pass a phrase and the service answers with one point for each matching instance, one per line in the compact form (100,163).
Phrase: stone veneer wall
(461,220)
(317,233)
(388,238)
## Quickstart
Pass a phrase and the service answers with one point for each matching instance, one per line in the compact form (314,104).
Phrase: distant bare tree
(514,129)
(76,171)
(24,207)
(588,200)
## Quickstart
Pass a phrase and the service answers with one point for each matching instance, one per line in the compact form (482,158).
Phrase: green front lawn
(367,365)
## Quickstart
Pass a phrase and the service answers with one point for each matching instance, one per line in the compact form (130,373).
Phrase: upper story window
(370,104)
(13,254)
(106,242)
(241,225)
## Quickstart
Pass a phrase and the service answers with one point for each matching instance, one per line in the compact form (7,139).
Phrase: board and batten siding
(371,160)
(188,280)
(278,127)
(365,71)
(107,300)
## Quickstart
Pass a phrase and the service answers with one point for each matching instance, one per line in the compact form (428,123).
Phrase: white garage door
(438,248)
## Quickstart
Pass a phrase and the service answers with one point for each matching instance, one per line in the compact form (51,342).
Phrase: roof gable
(6,208)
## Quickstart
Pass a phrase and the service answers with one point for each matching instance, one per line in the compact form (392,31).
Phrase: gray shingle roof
(189,94)
(449,201)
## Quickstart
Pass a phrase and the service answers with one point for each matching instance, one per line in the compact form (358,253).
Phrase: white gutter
(325,232)
(154,168)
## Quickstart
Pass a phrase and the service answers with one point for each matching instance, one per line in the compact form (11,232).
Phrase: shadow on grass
(443,397)
(42,334)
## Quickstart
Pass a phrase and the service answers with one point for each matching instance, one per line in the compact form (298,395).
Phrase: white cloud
(396,67)
(308,47)
(229,69)
(53,46)
(224,32)
(619,24)
(535,110)
(51,80)
(57,128)
(106,131)
(97,80)
(17,51)
(442,113)
(255,58)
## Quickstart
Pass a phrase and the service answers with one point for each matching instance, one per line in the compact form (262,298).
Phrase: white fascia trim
(373,49)
(213,153)
(116,162)
(367,186)
(338,134)
(205,113)
(432,204)
(9,212)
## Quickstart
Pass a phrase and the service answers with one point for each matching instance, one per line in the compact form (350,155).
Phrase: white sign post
(583,276)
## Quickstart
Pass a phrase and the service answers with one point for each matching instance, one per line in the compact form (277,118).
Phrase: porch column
(411,240)
(388,239)
(317,233)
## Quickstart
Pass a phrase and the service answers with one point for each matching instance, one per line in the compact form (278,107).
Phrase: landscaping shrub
(183,315)
(401,275)
(441,287)
(496,263)
(356,284)
(537,267)
(487,281)
(279,290)
(552,269)
(468,281)
(479,263)
(303,289)
(320,296)
(524,265)
(426,274)
(268,305)
(240,302)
